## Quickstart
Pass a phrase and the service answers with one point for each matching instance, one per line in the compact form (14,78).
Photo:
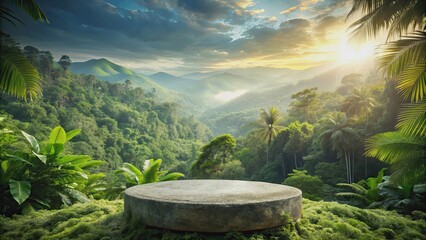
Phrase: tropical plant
(402,61)
(44,178)
(402,198)
(150,173)
(367,193)
(406,154)
(268,126)
(341,136)
(133,176)
(18,77)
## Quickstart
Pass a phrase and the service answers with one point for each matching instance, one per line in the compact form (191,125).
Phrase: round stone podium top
(213,192)
(211,205)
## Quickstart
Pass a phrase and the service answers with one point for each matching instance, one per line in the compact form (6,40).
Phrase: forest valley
(319,143)
(74,150)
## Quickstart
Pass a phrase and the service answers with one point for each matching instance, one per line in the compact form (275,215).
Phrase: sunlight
(229,95)
(350,52)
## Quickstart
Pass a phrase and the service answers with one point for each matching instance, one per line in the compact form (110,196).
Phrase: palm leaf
(412,119)
(405,61)
(355,187)
(354,195)
(18,77)
(398,17)
(31,8)
(391,147)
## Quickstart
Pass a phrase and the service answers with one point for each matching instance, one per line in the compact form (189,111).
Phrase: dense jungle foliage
(70,148)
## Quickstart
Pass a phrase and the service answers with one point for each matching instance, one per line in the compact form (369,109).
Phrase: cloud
(181,34)
(272,19)
(302,6)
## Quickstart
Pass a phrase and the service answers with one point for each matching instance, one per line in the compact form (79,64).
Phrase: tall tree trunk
(347,167)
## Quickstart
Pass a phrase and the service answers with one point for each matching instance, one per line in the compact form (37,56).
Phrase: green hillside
(111,72)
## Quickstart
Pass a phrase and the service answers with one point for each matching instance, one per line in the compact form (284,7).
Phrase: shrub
(311,186)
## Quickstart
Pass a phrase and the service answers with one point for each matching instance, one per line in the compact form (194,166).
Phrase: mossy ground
(320,220)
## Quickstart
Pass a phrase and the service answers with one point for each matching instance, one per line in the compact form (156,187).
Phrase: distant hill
(114,73)
(171,82)
(111,72)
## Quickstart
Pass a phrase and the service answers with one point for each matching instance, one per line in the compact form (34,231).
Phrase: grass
(321,220)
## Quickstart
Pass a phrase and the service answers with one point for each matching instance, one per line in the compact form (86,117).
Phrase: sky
(181,36)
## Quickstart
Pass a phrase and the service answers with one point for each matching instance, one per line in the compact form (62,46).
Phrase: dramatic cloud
(184,35)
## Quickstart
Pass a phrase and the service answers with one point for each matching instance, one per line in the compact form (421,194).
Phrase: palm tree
(18,77)
(267,126)
(403,61)
(341,136)
(359,103)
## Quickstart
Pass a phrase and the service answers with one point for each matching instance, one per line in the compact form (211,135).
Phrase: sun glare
(349,52)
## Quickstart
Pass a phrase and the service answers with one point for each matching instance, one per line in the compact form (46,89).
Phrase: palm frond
(31,8)
(18,77)
(398,17)
(405,61)
(391,147)
(355,187)
(355,196)
(412,119)
(410,171)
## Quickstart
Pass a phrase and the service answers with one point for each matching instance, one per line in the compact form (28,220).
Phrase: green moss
(320,220)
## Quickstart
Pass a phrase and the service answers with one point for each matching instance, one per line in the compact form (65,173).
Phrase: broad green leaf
(58,148)
(58,135)
(5,166)
(73,159)
(42,157)
(90,164)
(31,139)
(20,190)
(171,176)
(71,134)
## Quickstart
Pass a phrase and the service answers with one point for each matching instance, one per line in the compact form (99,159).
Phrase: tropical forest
(105,101)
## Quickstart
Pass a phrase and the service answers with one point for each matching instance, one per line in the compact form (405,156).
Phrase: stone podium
(211,205)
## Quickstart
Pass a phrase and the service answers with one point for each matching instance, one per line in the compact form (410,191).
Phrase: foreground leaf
(20,190)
